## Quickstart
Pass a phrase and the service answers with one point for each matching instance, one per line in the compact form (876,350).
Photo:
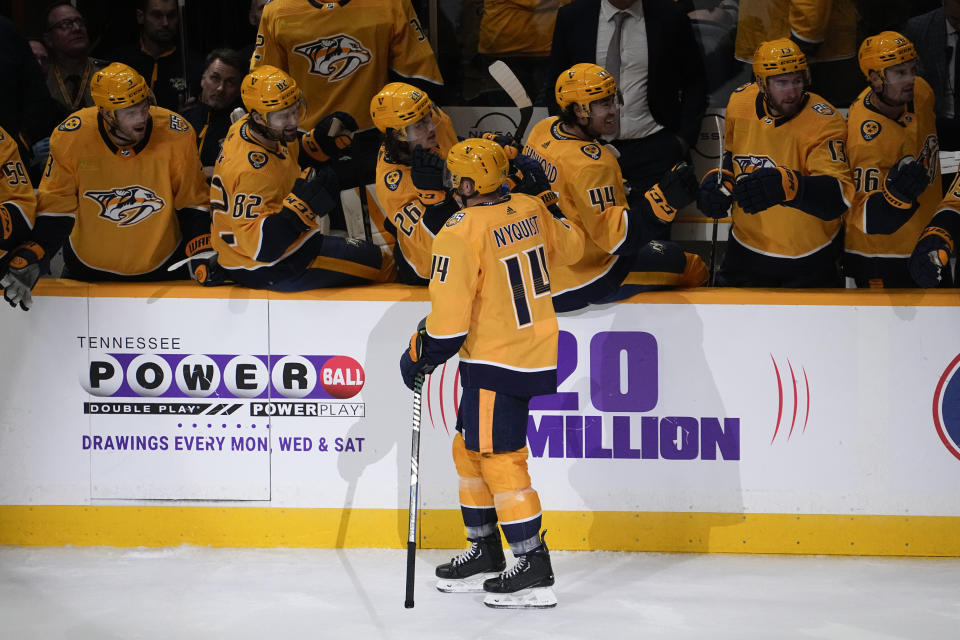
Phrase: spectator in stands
(341,55)
(157,56)
(27,112)
(219,96)
(937,37)
(40,53)
(256,10)
(71,67)
(650,50)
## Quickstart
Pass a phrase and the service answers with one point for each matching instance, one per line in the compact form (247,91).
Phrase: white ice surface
(192,592)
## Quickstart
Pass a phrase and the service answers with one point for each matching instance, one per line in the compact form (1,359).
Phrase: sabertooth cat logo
(127,206)
(752,163)
(335,57)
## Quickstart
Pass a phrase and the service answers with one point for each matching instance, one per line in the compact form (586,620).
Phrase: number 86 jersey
(490,289)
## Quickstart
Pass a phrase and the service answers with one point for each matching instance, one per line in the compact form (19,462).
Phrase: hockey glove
(716,194)
(764,188)
(905,181)
(199,251)
(930,256)
(22,275)
(411,362)
(310,197)
(676,189)
(510,146)
(331,138)
(426,171)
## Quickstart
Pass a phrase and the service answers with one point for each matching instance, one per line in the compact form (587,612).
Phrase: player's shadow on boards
(386,426)
(652,455)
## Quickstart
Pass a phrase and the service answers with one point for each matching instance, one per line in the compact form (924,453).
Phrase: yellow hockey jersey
(123,199)
(249,184)
(401,205)
(490,287)
(340,54)
(830,23)
(812,142)
(588,180)
(518,27)
(874,144)
(18,204)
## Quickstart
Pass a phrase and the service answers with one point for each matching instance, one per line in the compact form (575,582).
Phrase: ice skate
(466,572)
(526,585)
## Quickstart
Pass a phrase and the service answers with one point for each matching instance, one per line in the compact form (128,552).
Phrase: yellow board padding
(161,526)
(400,292)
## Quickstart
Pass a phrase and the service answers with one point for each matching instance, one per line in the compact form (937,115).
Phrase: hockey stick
(414,489)
(508,81)
(183,50)
(716,221)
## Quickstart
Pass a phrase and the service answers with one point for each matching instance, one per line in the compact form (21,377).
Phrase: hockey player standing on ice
(266,220)
(785,172)
(490,291)
(618,261)
(17,203)
(416,136)
(123,193)
(929,263)
(895,157)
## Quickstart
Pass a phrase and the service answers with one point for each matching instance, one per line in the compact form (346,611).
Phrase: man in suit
(659,69)
(936,35)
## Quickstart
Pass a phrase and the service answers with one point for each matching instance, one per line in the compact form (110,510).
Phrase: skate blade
(536,598)
(473,584)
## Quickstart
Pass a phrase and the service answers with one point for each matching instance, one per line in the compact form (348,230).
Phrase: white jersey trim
(877,255)
(506,366)
(447,336)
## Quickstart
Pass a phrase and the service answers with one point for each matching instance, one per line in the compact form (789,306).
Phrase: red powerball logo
(946,408)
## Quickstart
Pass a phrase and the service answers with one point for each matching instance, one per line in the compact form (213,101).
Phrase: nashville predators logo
(591,150)
(70,124)
(335,57)
(127,206)
(257,159)
(870,129)
(392,180)
(752,163)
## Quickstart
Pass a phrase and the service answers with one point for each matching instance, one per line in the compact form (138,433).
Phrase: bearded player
(619,260)
(268,213)
(785,174)
(895,157)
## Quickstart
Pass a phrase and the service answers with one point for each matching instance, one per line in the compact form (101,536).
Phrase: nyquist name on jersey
(510,233)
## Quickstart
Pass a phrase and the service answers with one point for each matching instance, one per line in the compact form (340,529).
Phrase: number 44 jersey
(490,289)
